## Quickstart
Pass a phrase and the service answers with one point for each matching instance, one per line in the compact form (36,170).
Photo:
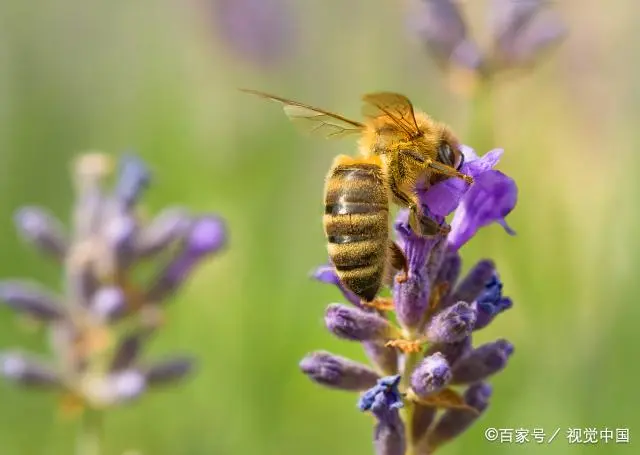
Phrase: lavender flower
(521,31)
(102,319)
(437,312)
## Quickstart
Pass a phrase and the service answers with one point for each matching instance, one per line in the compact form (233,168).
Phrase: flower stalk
(90,433)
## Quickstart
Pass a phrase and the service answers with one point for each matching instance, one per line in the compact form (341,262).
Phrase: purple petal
(491,198)
(443,198)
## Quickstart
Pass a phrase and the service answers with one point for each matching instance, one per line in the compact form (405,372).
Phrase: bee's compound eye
(445,154)
(460,161)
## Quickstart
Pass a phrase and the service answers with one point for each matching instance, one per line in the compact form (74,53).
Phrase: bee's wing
(394,106)
(313,119)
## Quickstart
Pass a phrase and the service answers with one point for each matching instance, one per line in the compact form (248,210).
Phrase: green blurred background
(160,78)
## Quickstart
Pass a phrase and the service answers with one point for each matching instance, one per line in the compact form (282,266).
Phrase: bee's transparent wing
(394,106)
(314,120)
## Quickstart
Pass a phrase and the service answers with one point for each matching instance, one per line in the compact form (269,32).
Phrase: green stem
(411,360)
(89,439)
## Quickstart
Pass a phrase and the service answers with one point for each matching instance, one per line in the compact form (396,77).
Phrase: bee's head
(449,151)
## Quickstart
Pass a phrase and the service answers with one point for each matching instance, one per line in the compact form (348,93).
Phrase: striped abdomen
(356,223)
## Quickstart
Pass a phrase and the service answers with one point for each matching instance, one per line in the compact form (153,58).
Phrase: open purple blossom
(435,365)
(490,199)
(102,321)
(383,397)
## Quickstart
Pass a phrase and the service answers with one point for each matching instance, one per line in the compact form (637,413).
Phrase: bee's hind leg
(398,263)
(398,267)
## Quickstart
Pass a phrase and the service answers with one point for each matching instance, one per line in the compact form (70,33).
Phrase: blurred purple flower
(520,29)
(259,30)
(107,240)
(440,25)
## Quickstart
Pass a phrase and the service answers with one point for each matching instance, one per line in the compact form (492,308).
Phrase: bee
(399,148)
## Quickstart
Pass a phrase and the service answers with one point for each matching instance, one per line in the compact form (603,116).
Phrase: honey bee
(399,148)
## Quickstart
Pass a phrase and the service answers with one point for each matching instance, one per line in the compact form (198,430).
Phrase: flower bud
(167,227)
(30,299)
(169,371)
(133,179)
(108,303)
(482,362)
(431,375)
(38,227)
(451,324)
(474,282)
(207,235)
(356,325)
(452,352)
(338,372)
(26,371)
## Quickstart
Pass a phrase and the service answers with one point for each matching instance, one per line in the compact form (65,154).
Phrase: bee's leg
(425,226)
(443,169)
(418,221)
(398,262)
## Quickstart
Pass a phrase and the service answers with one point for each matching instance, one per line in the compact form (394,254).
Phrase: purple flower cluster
(420,363)
(107,310)
(520,30)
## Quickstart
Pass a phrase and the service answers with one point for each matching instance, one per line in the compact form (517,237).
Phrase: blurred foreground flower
(101,321)
(520,30)
(418,366)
